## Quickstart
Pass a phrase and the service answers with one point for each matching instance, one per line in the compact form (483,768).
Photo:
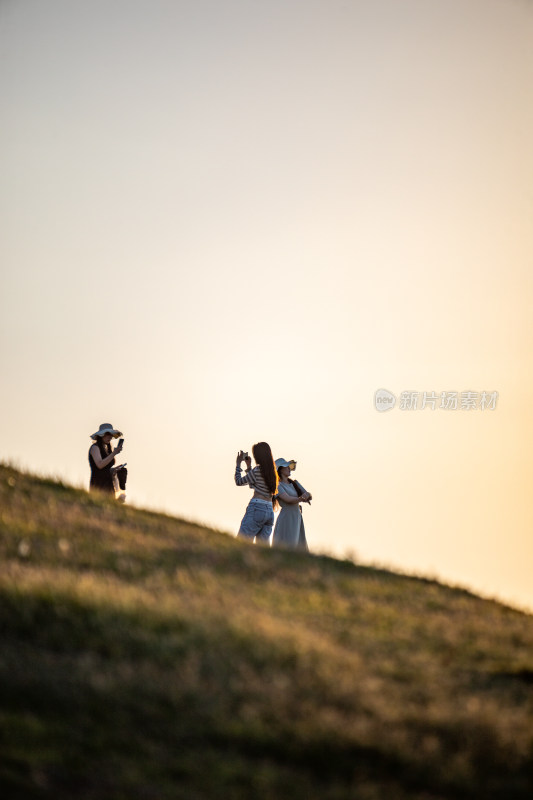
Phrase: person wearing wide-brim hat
(290,530)
(102,458)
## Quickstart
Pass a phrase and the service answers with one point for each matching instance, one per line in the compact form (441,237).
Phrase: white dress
(289,530)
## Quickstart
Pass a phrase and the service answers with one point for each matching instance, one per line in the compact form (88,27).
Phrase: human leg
(266,527)
(257,521)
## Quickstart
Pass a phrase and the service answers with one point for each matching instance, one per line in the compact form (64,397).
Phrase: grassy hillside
(143,656)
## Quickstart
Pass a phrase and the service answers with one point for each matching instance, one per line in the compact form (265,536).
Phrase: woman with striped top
(263,479)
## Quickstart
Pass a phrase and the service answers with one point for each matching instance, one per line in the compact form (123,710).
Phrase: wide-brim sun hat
(104,428)
(282,462)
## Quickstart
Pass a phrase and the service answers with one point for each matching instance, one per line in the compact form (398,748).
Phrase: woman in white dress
(290,530)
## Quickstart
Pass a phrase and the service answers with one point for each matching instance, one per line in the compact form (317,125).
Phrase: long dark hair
(265,460)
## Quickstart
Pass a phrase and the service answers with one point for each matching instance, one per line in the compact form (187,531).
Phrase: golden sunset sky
(226,221)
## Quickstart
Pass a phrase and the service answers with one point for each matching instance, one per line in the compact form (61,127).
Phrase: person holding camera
(102,461)
(290,530)
(263,479)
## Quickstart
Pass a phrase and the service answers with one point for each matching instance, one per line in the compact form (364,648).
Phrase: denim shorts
(258,520)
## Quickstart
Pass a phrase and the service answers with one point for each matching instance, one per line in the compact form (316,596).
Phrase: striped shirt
(254,479)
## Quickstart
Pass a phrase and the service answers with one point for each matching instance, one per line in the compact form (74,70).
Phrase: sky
(231,221)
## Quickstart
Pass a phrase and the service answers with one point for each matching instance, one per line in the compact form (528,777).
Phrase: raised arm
(103,462)
(248,479)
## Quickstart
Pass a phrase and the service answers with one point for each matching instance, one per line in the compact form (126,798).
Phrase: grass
(144,656)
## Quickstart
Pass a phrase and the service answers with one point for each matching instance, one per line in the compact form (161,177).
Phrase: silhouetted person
(102,459)
(263,479)
(290,530)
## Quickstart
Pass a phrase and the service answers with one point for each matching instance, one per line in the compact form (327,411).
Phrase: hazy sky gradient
(229,221)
